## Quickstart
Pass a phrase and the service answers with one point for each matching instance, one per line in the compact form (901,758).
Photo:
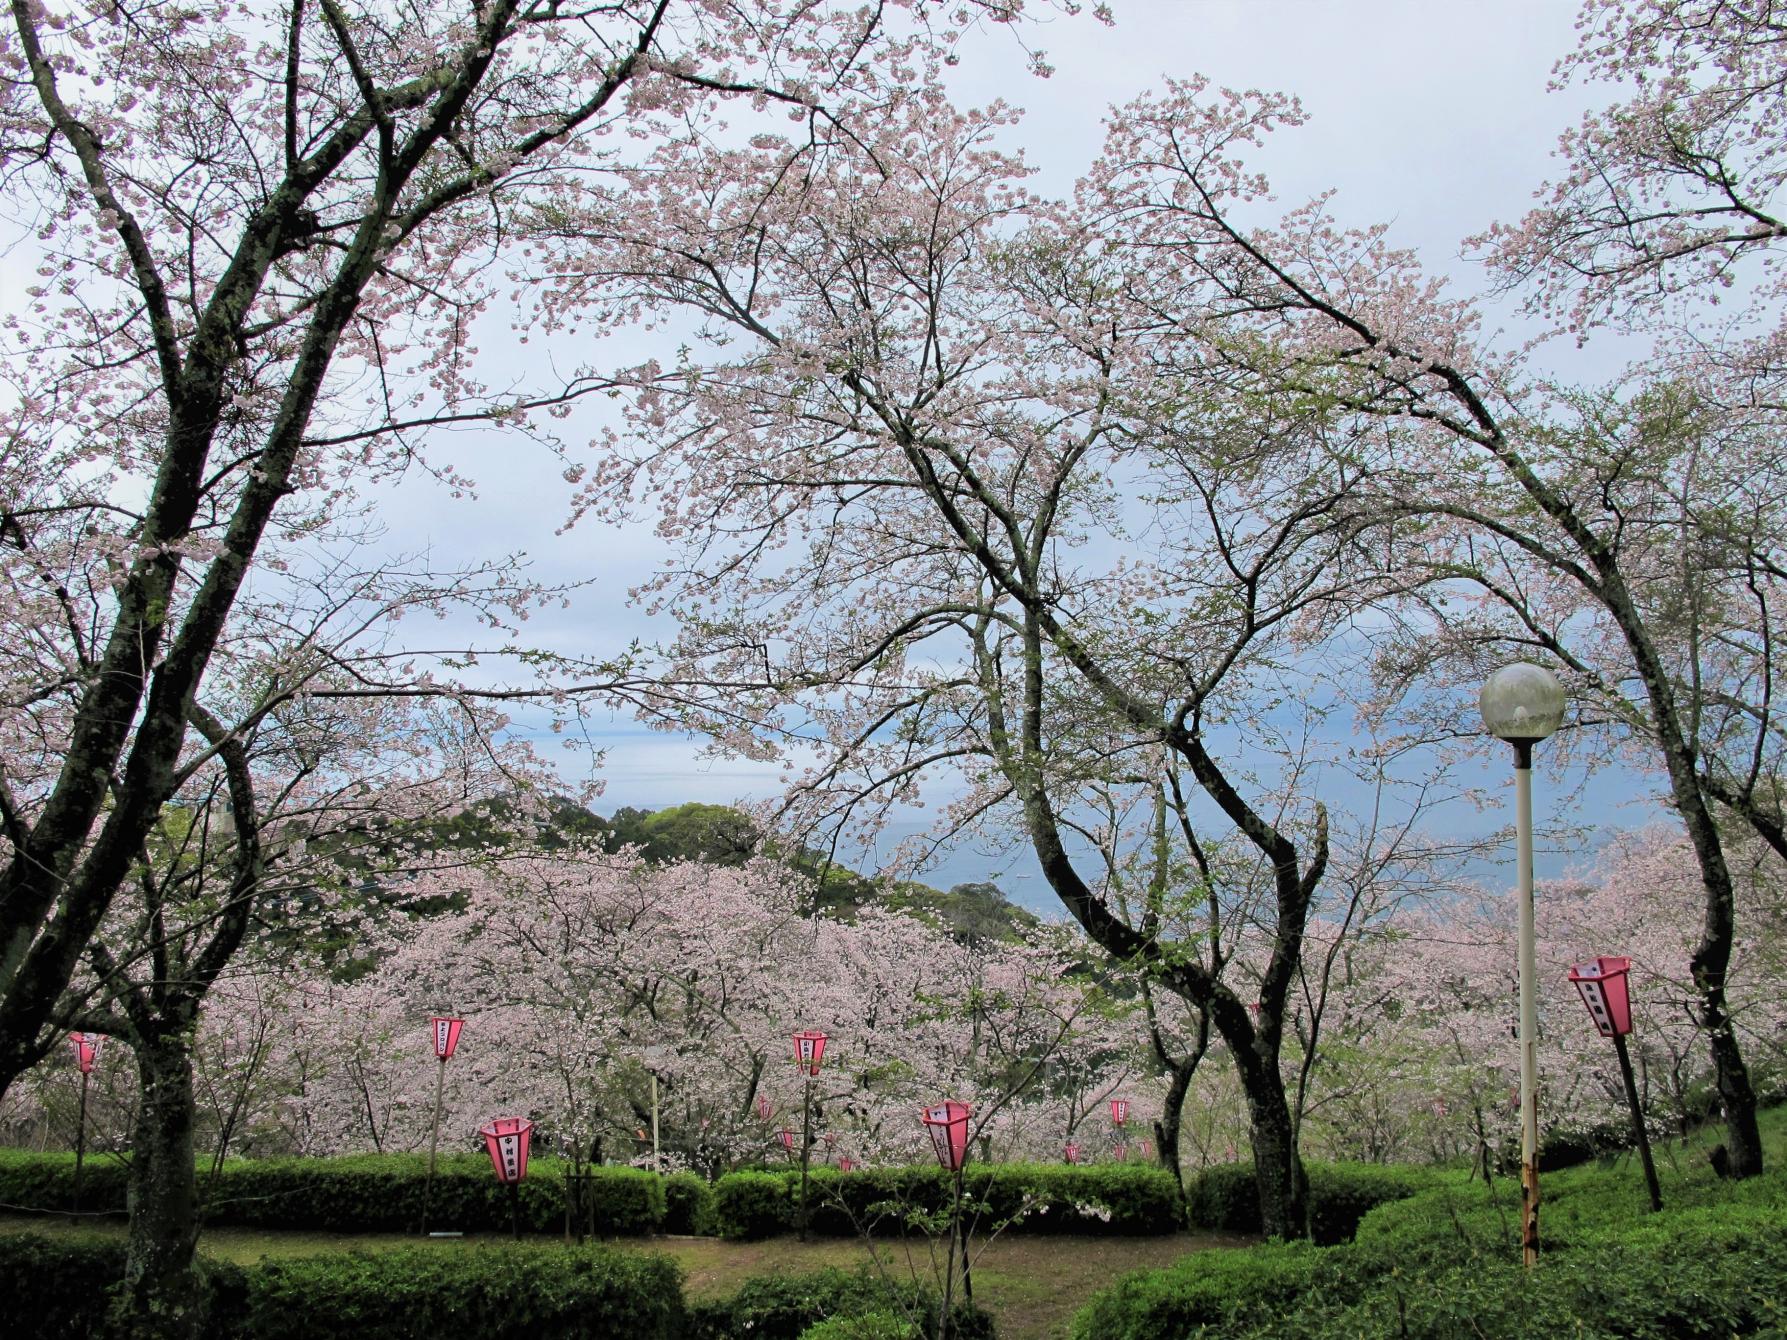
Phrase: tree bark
(1279,1176)
(160,1298)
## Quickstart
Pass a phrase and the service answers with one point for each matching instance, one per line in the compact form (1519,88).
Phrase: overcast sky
(1432,116)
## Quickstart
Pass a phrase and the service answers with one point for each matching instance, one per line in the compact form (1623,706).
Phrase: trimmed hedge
(1030,1198)
(1445,1262)
(785,1307)
(524,1292)
(1217,1289)
(361,1193)
(688,1205)
(1224,1197)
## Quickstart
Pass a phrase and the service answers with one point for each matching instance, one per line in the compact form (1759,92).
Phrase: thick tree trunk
(1278,1169)
(161,1299)
(1172,1116)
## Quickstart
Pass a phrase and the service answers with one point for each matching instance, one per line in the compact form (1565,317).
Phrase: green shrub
(688,1204)
(869,1326)
(1212,1288)
(1445,1262)
(45,1182)
(1688,1280)
(491,1293)
(784,1307)
(64,1286)
(1225,1198)
(1028,1198)
(750,1205)
(357,1193)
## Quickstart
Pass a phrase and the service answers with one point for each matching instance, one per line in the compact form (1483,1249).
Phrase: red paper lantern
(787,1139)
(1119,1110)
(86,1047)
(1146,1146)
(1122,1152)
(764,1107)
(507,1140)
(446,1035)
(846,1164)
(809,1050)
(947,1125)
(1072,1152)
(1602,984)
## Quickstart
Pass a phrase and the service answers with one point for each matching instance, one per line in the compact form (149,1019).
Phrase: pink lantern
(1146,1146)
(787,1139)
(1119,1110)
(1122,1151)
(809,1050)
(1602,984)
(1072,1152)
(947,1125)
(846,1164)
(446,1035)
(765,1108)
(507,1141)
(86,1047)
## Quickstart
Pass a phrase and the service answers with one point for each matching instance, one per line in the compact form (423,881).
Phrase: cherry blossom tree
(909,486)
(265,239)
(1624,535)
(568,970)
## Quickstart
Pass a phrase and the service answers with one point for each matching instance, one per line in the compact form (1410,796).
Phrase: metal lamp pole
(1523,704)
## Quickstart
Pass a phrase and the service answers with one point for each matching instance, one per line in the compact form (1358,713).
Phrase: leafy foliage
(1340,1195)
(1022,1197)
(356,1193)
(1445,1261)
(496,1293)
(784,1307)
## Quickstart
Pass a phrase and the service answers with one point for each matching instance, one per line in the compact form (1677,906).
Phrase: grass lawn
(1033,1285)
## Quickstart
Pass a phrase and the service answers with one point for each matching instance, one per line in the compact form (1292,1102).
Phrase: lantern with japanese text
(765,1108)
(787,1139)
(1602,985)
(506,1139)
(445,1028)
(809,1050)
(1604,990)
(86,1047)
(947,1125)
(1119,1111)
(446,1035)
(1071,1152)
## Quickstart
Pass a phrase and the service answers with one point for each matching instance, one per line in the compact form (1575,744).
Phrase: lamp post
(446,1038)
(947,1125)
(506,1141)
(86,1048)
(1603,988)
(1523,704)
(809,1051)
